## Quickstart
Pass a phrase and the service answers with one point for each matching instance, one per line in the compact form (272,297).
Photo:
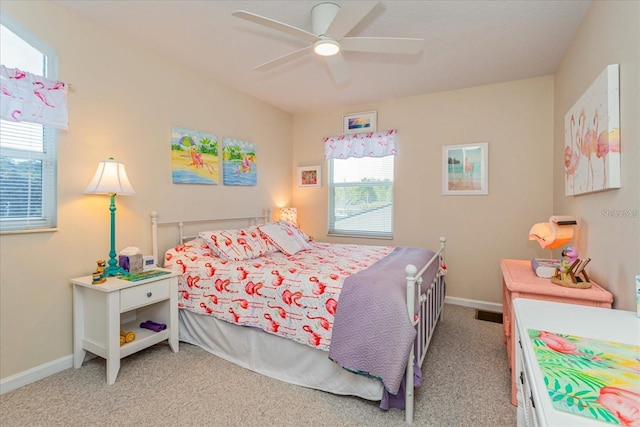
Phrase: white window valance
(26,97)
(372,144)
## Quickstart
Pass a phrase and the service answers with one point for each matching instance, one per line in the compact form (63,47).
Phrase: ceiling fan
(330,24)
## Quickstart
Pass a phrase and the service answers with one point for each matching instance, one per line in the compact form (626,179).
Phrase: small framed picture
(359,122)
(309,176)
(465,169)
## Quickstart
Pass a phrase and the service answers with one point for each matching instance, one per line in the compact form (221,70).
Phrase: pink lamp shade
(290,215)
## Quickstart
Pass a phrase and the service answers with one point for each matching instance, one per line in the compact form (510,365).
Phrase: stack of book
(544,267)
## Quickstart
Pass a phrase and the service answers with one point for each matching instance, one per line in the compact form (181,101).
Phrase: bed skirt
(274,356)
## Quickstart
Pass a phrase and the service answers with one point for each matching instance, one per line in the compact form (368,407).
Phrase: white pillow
(285,236)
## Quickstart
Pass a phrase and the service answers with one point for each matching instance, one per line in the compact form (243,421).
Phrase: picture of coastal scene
(359,123)
(194,157)
(464,168)
(239,162)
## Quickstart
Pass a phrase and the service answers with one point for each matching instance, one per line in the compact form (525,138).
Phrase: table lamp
(111,178)
(555,233)
(290,215)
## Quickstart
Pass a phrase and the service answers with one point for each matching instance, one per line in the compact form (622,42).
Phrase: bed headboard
(184,227)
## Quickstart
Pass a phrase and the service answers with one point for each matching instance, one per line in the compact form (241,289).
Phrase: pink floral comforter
(292,296)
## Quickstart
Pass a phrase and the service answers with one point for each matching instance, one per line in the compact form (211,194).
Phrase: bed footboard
(430,305)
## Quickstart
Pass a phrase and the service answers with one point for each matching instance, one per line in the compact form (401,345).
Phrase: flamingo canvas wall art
(592,137)
(194,157)
(240,162)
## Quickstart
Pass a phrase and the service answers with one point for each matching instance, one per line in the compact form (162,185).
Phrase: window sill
(359,236)
(35,230)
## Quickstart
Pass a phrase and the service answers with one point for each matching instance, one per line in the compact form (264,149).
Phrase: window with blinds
(28,154)
(361,197)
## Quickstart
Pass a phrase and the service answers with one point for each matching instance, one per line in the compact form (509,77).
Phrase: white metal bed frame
(430,303)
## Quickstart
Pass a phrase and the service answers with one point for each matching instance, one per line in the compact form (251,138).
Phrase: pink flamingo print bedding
(295,297)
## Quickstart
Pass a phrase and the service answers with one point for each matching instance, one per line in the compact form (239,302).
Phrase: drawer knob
(149,294)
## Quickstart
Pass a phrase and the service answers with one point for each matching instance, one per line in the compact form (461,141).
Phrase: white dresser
(534,405)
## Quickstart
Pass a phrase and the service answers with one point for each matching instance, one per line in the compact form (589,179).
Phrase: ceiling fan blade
(283,59)
(338,67)
(276,25)
(381,44)
(348,16)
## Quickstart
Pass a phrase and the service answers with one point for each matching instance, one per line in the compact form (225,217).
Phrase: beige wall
(125,101)
(609,34)
(515,118)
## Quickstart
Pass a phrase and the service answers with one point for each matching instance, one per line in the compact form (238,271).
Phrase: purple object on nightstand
(156,327)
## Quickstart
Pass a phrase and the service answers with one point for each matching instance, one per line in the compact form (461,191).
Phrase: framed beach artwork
(240,163)
(592,137)
(359,122)
(465,169)
(309,176)
(194,157)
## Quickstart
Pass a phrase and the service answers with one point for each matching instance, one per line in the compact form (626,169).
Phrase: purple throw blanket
(372,332)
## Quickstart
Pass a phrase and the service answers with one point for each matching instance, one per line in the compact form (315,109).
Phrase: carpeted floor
(465,383)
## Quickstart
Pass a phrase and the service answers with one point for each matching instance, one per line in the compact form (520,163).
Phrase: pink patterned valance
(31,98)
(372,144)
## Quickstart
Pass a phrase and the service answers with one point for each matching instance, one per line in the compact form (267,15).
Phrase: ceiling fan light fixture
(330,23)
(326,47)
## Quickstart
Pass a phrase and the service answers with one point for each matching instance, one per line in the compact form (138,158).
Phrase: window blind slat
(21,136)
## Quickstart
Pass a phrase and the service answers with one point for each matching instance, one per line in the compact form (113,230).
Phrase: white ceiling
(468,43)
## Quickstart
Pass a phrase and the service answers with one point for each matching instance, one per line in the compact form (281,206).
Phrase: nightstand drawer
(142,295)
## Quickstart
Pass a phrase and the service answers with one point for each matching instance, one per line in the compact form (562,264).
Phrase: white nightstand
(99,311)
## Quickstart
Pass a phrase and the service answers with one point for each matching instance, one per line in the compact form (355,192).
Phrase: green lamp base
(114,270)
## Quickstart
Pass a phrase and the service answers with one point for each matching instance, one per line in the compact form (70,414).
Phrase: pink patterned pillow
(238,245)
(285,236)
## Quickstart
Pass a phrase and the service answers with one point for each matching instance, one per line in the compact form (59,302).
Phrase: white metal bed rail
(430,305)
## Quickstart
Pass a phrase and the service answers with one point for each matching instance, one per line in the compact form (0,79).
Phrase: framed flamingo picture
(465,169)
(592,137)
(194,157)
(240,162)
(309,176)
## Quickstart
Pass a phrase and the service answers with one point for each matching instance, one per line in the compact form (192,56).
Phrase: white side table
(99,311)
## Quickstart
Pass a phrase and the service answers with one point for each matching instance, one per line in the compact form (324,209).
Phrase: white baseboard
(480,305)
(39,372)
(35,374)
